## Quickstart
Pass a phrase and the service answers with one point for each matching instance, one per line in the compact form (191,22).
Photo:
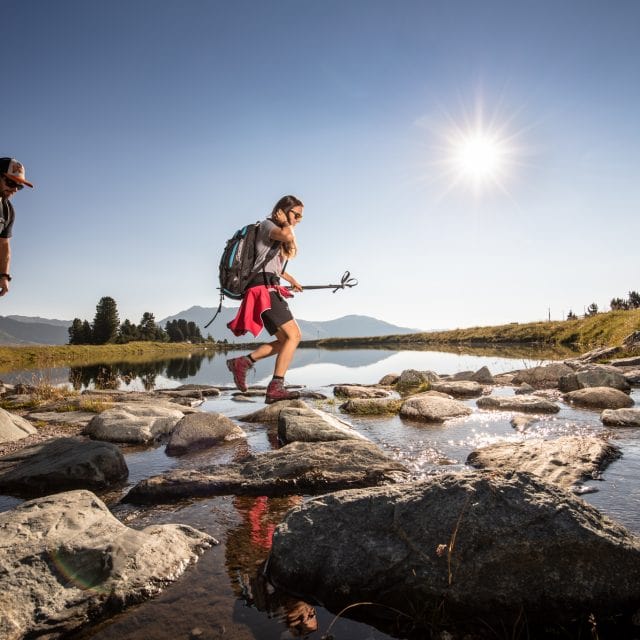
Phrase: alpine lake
(223,595)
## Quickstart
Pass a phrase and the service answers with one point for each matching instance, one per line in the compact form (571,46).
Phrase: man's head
(12,177)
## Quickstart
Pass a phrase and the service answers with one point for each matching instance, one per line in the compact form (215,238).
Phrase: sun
(480,157)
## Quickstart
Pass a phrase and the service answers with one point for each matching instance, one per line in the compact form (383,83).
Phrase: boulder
(596,377)
(140,422)
(271,413)
(632,377)
(371,406)
(410,379)
(389,380)
(62,463)
(458,389)
(621,417)
(524,389)
(430,408)
(563,461)
(304,424)
(14,427)
(298,468)
(483,547)
(357,391)
(483,376)
(599,398)
(544,377)
(461,375)
(68,562)
(525,404)
(201,431)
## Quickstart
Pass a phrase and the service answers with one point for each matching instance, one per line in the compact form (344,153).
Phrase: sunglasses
(296,215)
(12,184)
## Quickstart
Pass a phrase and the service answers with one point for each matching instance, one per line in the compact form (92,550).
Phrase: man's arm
(5,262)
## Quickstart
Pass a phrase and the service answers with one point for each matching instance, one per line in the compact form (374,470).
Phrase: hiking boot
(239,367)
(276,391)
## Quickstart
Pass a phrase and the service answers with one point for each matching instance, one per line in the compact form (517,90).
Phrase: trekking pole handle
(345,282)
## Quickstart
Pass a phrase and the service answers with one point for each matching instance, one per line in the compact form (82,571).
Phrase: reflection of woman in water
(247,548)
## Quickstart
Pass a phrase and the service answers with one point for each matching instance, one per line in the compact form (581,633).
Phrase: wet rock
(621,417)
(67,562)
(483,376)
(62,463)
(524,389)
(562,461)
(205,389)
(632,377)
(430,408)
(410,379)
(304,424)
(297,468)
(481,545)
(251,393)
(357,391)
(597,377)
(71,418)
(545,377)
(201,431)
(371,406)
(142,422)
(599,398)
(522,422)
(13,427)
(505,379)
(525,404)
(389,380)
(194,394)
(241,397)
(458,389)
(271,413)
(461,375)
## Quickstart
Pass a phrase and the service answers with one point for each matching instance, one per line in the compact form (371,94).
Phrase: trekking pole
(346,282)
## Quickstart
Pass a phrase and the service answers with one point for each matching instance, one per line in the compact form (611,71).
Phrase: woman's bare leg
(288,335)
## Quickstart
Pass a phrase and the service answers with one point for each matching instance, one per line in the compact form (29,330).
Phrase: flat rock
(621,417)
(430,408)
(68,562)
(634,361)
(357,391)
(483,547)
(596,377)
(195,394)
(599,398)
(564,461)
(142,423)
(525,404)
(298,468)
(14,427)
(204,389)
(544,377)
(304,424)
(271,413)
(458,389)
(371,406)
(62,463)
(72,418)
(201,431)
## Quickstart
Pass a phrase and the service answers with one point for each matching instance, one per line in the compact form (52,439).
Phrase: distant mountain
(28,330)
(351,326)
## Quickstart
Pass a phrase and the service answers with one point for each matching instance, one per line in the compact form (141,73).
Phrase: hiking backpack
(238,263)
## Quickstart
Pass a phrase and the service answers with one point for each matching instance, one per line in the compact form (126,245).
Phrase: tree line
(106,328)
(617,304)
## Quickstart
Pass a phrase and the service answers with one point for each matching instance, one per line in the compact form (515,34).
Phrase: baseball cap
(13,169)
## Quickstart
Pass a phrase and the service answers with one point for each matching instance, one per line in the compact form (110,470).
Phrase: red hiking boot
(276,391)
(239,367)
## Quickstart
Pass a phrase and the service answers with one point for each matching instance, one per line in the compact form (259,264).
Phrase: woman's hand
(281,218)
(295,284)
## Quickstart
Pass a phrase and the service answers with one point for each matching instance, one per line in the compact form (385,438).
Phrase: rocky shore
(506,537)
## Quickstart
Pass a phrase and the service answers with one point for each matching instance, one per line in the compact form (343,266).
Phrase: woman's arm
(284,231)
(291,280)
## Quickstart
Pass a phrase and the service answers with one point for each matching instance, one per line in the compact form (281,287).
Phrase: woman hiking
(263,303)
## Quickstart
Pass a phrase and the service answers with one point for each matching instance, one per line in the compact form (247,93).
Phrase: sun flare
(480,157)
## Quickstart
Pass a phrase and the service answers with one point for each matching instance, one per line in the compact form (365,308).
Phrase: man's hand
(4,286)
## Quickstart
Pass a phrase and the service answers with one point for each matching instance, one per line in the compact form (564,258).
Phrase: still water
(223,596)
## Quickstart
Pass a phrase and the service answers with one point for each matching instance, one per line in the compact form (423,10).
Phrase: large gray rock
(66,562)
(298,468)
(599,398)
(201,431)
(271,413)
(523,403)
(544,377)
(411,378)
(458,389)
(13,427)
(596,377)
(478,544)
(564,461)
(62,463)
(312,425)
(358,391)
(71,418)
(430,408)
(139,422)
(621,417)
(371,406)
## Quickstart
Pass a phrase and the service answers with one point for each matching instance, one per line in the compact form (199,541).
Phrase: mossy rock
(372,406)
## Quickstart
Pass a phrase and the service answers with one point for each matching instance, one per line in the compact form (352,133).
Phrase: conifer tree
(75,332)
(105,322)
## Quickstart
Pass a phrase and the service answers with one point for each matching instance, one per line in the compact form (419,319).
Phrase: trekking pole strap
(217,312)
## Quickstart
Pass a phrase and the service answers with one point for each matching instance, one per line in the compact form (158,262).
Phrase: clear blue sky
(153,129)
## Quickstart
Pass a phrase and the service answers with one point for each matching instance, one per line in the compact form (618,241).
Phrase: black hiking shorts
(279,313)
